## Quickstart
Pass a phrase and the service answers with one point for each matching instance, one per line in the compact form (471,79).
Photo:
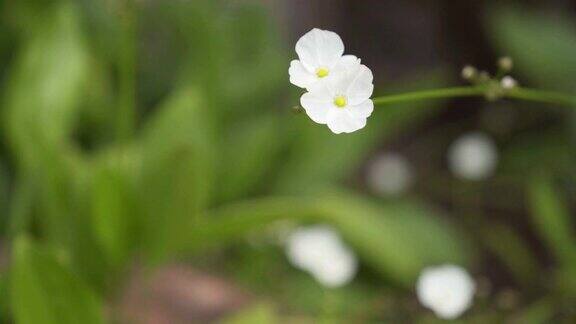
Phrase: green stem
(430,94)
(549,97)
(474,91)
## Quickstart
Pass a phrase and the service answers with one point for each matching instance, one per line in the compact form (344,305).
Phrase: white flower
(320,56)
(339,87)
(448,290)
(389,174)
(508,83)
(473,156)
(342,101)
(320,251)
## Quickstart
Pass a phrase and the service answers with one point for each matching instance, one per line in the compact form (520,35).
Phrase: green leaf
(21,205)
(248,154)
(44,89)
(513,252)
(552,220)
(319,158)
(542,44)
(46,85)
(177,166)
(113,205)
(45,292)
(378,232)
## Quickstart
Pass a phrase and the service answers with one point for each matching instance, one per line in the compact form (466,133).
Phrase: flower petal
(346,62)
(352,79)
(360,85)
(317,102)
(300,76)
(319,48)
(342,121)
(342,72)
(362,110)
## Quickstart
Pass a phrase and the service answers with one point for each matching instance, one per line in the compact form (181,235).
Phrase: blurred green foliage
(44,291)
(541,44)
(157,131)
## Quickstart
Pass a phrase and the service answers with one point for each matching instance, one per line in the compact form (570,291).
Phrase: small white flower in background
(473,156)
(320,54)
(447,290)
(342,102)
(508,82)
(389,174)
(320,251)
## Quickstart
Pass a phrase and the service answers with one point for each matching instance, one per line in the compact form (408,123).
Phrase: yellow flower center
(340,101)
(322,72)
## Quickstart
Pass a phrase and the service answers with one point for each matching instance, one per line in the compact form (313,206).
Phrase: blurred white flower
(473,156)
(342,101)
(447,290)
(508,82)
(320,56)
(320,251)
(389,174)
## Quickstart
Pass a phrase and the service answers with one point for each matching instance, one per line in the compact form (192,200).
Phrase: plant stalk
(525,94)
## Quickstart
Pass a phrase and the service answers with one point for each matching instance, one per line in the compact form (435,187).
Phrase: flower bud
(469,72)
(505,63)
(297,109)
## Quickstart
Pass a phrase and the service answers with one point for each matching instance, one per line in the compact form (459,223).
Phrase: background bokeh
(151,165)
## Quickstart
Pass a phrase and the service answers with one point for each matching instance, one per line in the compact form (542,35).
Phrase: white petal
(360,85)
(299,76)
(340,120)
(362,110)
(317,102)
(354,81)
(346,63)
(342,73)
(319,48)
